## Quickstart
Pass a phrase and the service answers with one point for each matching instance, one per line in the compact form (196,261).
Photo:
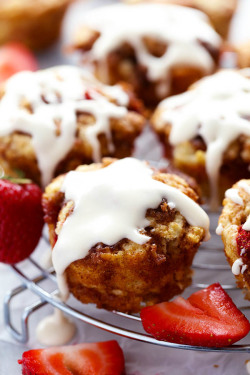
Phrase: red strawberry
(21,219)
(243,243)
(207,318)
(101,358)
(15,57)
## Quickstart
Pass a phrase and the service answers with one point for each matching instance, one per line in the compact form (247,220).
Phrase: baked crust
(220,12)
(127,276)
(19,21)
(233,216)
(17,150)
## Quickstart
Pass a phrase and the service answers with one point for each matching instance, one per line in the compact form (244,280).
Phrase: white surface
(141,359)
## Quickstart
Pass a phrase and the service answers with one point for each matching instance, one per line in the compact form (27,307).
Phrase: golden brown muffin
(235,233)
(34,23)
(65,118)
(142,46)
(243,55)
(206,131)
(126,275)
(220,12)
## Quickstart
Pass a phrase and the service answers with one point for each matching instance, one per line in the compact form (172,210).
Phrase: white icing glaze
(217,109)
(46,259)
(238,267)
(63,88)
(243,268)
(179,27)
(110,204)
(55,329)
(244,185)
(233,194)
(246,225)
(242,251)
(219,229)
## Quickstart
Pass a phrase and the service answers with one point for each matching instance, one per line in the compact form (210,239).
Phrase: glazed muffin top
(143,25)
(105,203)
(48,104)
(215,109)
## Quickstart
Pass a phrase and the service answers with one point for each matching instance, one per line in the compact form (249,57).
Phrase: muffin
(206,131)
(159,49)
(234,228)
(123,234)
(219,12)
(243,54)
(34,23)
(56,119)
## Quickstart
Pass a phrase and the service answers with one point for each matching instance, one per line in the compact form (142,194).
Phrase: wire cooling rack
(209,266)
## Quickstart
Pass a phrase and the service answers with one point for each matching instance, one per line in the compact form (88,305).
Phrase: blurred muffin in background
(206,131)
(55,119)
(243,54)
(220,12)
(35,23)
(159,49)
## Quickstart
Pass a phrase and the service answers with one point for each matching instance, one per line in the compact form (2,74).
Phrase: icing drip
(246,226)
(54,97)
(244,185)
(238,267)
(219,230)
(55,329)
(124,23)
(110,204)
(217,109)
(233,194)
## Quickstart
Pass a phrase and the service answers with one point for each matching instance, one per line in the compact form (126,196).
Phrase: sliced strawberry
(101,358)
(207,318)
(15,57)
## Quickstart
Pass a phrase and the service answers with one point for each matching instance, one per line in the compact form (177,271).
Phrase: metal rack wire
(44,297)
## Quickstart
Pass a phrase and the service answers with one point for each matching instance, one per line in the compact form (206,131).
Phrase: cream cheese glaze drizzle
(56,95)
(182,29)
(233,194)
(110,204)
(218,110)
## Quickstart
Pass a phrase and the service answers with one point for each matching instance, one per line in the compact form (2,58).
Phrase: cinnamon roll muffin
(123,234)
(234,228)
(219,12)
(159,49)
(56,119)
(206,131)
(34,23)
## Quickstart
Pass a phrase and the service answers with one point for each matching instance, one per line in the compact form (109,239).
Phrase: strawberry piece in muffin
(243,243)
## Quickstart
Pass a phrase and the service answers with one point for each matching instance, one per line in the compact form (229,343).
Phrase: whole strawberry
(21,219)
